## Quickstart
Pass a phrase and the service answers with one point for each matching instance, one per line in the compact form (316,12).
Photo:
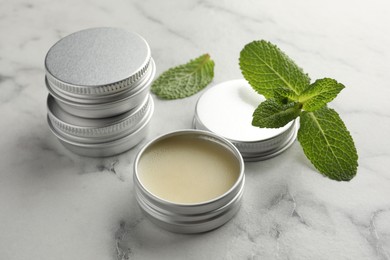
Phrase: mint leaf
(267,69)
(272,114)
(185,80)
(327,143)
(320,93)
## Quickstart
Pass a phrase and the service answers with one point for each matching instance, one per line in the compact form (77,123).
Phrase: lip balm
(189,181)
(187,170)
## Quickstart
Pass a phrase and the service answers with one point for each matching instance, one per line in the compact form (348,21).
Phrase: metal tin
(226,109)
(96,130)
(196,217)
(100,137)
(99,81)
(111,105)
(97,62)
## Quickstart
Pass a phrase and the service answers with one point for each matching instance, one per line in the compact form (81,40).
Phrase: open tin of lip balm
(226,109)
(189,181)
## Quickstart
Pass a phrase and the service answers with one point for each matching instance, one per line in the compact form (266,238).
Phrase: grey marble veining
(56,205)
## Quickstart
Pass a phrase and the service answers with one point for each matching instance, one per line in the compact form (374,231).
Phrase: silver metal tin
(96,130)
(110,105)
(197,217)
(97,62)
(100,137)
(233,121)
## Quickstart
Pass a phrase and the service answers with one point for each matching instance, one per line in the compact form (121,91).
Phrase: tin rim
(204,134)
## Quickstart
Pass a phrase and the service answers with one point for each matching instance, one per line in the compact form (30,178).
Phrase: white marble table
(56,205)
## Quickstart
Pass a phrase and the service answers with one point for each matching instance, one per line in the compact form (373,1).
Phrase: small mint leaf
(267,68)
(185,80)
(320,93)
(271,114)
(327,143)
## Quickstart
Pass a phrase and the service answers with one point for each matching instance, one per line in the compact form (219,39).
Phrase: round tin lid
(226,109)
(97,61)
(92,130)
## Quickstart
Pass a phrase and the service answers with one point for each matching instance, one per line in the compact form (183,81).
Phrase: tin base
(105,149)
(255,157)
(209,222)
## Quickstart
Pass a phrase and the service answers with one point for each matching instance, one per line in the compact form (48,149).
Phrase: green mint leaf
(320,93)
(267,68)
(327,143)
(272,114)
(185,80)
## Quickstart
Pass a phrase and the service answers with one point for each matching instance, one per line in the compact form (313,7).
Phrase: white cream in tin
(227,108)
(187,170)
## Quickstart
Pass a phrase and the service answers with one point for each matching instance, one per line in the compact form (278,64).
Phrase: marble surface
(57,205)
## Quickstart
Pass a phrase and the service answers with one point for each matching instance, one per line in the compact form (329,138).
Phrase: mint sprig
(185,80)
(323,136)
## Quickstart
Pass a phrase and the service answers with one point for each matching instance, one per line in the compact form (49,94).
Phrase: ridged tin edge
(93,147)
(95,132)
(189,224)
(254,157)
(92,102)
(254,150)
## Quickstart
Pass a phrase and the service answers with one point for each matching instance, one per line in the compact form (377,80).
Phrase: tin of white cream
(227,108)
(189,181)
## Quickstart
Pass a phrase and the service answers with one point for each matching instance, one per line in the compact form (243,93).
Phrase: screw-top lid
(97,62)
(226,109)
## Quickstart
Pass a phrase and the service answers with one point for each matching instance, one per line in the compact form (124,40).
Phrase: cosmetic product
(226,109)
(189,181)
(98,81)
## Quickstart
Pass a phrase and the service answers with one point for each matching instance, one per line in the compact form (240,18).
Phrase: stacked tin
(98,81)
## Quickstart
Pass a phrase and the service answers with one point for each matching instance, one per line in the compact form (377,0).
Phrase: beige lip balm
(189,181)
(187,170)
